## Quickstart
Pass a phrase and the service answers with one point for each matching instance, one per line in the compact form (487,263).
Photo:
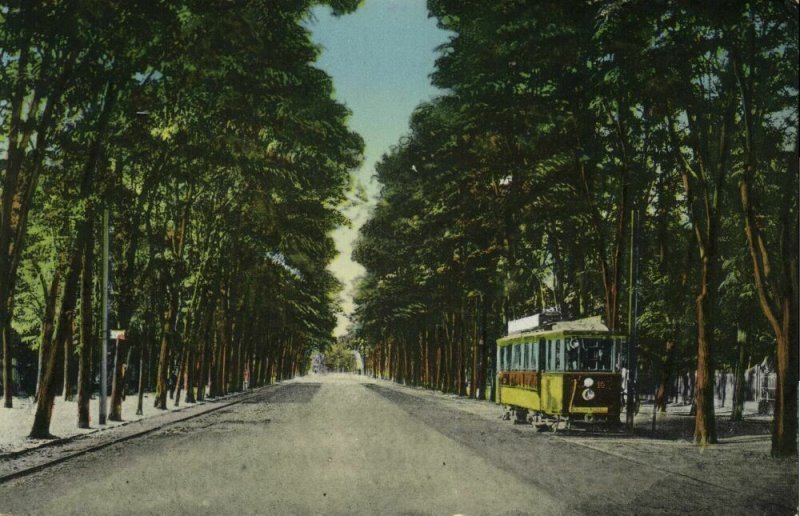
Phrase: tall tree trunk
(140,393)
(482,358)
(610,273)
(84,367)
(213,358)
(236,377)
(206,359)
(48,323)
(201,380)
(20,181)
(15,153)
(776,288)
(665,375)
(222,368)
(55,351)
(705,431)
(473,389)
(190,374)
(181,377)
(737,410)
(178,240)
(44,406)
(162,375)
(68,352)
(704,185)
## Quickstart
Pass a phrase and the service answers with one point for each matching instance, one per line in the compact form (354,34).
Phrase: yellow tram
(563,370)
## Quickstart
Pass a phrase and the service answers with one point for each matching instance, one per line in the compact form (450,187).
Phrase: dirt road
(348,445)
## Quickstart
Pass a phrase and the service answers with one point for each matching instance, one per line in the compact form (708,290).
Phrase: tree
(206,146)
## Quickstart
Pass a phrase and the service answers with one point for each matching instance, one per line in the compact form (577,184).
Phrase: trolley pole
(632,359)
(104,332)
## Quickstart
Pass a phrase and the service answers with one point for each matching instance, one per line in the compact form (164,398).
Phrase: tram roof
(555,333)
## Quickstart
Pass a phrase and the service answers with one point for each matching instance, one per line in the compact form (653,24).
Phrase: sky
(380,59)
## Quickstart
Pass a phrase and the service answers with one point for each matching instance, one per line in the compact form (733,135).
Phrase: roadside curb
(150,425)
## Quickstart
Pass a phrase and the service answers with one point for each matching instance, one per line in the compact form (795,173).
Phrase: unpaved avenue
(338,445)
(302,448)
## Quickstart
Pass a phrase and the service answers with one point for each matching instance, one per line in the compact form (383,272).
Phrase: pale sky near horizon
(380,59)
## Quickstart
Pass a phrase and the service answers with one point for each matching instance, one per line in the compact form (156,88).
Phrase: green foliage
(340,359)
(217,146)
(515,187)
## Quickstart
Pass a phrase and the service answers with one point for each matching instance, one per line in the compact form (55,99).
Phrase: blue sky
(380,58)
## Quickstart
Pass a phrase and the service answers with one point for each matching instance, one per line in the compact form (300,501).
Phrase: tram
(562,371)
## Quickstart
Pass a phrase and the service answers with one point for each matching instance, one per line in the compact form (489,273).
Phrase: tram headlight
(588,382)
(587,394)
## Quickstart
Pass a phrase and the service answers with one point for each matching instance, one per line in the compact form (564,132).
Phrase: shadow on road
(589,478)
(292,393)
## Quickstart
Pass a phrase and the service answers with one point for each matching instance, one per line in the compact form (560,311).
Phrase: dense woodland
(568,135)
(215,145)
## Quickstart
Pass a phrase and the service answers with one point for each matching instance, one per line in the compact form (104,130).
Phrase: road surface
(349,445)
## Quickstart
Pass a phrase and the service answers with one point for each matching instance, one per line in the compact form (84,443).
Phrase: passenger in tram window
(573,352)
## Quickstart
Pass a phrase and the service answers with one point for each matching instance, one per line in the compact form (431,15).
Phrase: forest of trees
(204,130)
(559,124)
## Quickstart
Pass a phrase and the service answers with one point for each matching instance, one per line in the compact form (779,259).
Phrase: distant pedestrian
(124,373)
(686,389)
(171,383)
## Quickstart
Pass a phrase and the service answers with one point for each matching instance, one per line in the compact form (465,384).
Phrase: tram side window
(558,355)
(529,355)
(554,355)
(548,363)
(542,355)
(590,354)
(596,354)
(534,355)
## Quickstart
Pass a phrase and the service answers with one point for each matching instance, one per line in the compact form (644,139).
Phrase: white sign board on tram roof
(524,324)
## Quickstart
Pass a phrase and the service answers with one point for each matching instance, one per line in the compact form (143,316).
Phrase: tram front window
(589,354)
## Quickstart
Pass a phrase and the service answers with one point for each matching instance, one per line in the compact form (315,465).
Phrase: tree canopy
(217,147)
(560,125)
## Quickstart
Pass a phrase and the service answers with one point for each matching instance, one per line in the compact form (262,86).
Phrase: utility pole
(632,359)
(104,332)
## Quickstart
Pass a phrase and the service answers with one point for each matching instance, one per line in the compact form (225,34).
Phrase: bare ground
(350,445)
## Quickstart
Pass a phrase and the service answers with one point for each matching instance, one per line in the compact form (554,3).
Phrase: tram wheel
(521,416)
